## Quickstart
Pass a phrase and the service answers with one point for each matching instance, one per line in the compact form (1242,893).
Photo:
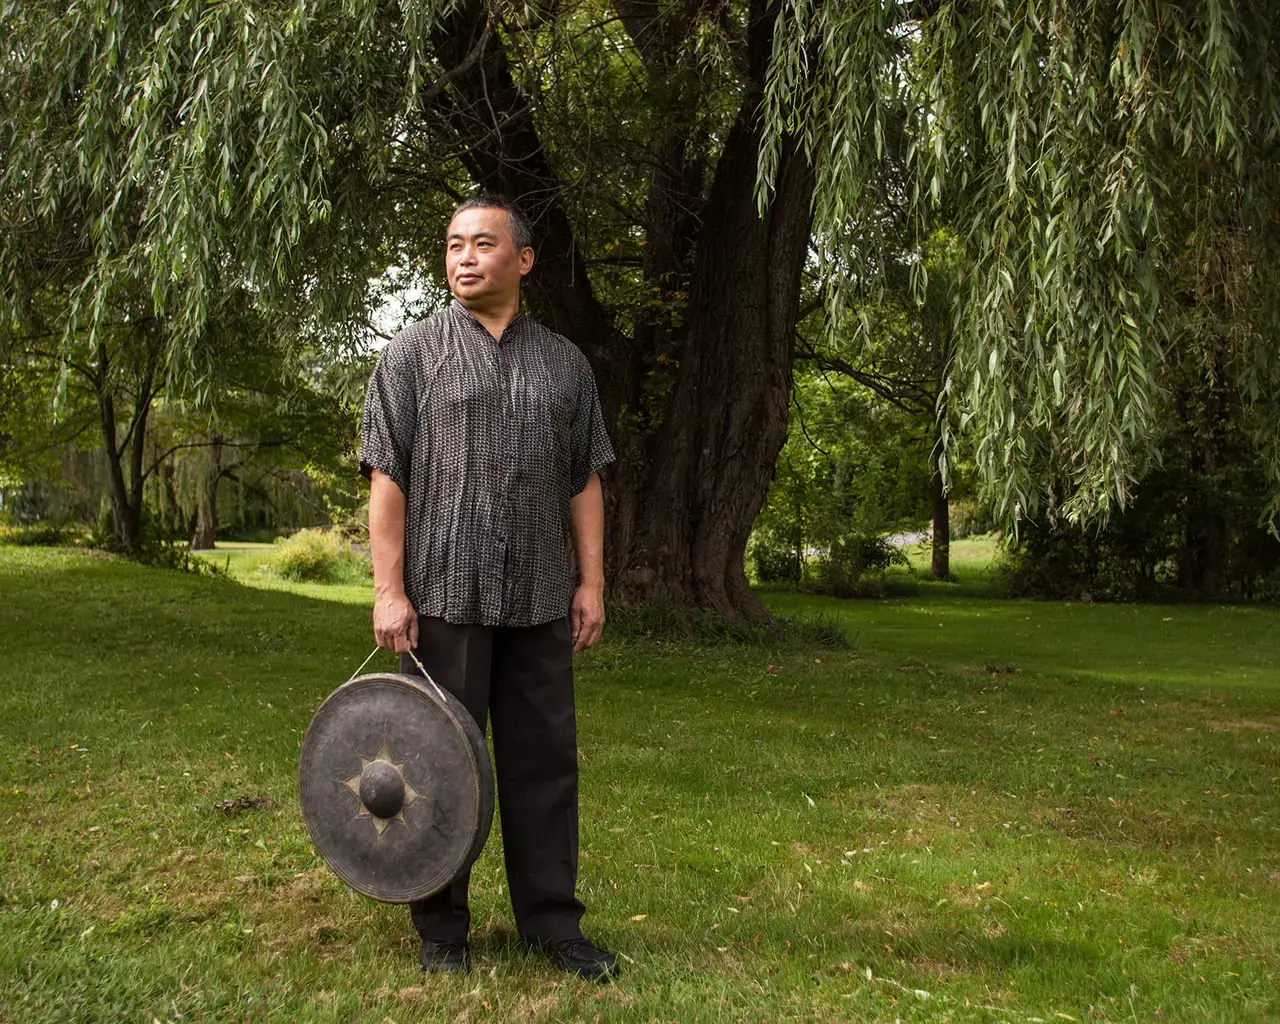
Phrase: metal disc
(396,786)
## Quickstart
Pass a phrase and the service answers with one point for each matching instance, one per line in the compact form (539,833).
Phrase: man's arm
(586,523)
(395,623)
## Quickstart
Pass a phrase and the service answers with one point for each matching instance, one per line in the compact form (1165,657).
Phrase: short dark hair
(521,233)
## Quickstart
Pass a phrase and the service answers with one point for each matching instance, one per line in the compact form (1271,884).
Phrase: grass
(1025,810)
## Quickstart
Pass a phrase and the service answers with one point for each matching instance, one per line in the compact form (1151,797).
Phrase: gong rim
(454,715)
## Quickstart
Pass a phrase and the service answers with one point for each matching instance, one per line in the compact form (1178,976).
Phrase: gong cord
(421,668)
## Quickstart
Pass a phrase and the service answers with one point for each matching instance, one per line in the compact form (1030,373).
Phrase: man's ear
(526,260)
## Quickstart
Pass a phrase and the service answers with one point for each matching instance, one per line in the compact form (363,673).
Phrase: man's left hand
(586,615)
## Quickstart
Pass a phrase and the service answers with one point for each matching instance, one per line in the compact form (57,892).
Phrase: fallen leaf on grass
(241,803)
(640,917)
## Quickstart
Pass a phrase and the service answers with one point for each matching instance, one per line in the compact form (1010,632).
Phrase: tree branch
(210,444)
(881,385)
(456,72)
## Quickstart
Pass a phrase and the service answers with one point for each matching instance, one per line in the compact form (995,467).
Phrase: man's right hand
(395,623)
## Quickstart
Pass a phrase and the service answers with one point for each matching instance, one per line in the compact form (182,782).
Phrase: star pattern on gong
(410,794)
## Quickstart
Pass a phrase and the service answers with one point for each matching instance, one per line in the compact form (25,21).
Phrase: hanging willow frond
(1112,168)
(159,155)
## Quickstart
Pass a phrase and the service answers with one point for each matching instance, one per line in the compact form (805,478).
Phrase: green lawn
(985,810)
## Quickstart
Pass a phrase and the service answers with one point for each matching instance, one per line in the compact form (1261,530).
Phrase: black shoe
(580,957)
(445,956)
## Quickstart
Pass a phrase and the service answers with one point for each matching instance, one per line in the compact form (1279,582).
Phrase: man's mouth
(468,278)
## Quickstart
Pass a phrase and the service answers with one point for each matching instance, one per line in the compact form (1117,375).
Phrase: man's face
(481,261)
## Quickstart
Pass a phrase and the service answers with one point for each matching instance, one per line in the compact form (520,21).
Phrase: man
(483,440)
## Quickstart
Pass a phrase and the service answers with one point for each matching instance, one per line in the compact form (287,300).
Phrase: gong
(396,786)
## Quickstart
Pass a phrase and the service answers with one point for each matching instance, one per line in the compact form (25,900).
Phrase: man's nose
(468,256)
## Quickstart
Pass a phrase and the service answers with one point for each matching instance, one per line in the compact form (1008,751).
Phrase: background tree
(110,387)
(855,468)
(1095,158)
(899,345)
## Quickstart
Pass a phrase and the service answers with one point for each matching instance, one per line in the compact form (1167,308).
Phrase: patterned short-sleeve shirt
(488,441)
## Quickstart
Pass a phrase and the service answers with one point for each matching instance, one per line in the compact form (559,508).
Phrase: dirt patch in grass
(1242,725)
(309,903)
(993,929)
(963,895)
(1201,951)
(986,670)
(531,1007)
(938,968)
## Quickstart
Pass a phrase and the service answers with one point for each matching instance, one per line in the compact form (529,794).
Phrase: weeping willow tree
(1113,173)
(685,162)
(172,211)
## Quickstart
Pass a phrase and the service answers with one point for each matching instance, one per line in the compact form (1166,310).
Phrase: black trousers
(520,678)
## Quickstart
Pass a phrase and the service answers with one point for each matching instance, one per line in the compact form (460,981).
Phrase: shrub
(40,534)
(248,534)
(1071,563)
(971,519)
(1268,588)
(856,566)
(319,556)
(775,563)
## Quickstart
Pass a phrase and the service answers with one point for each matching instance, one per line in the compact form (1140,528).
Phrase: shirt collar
(460,309)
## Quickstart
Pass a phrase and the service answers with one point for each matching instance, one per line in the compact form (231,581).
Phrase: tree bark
(940,563)
(1204,566)
(125,525)
(204,533)
(204,530)
(126,452)
(681,534)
